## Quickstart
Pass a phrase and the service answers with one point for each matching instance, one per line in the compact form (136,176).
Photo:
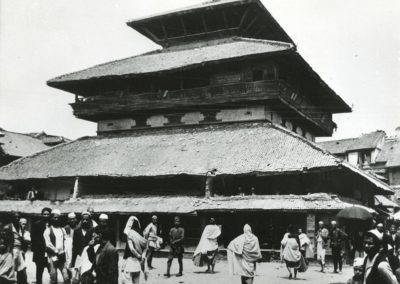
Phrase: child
(358,273)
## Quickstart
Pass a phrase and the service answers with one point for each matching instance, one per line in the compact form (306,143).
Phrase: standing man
(337,239)
(393,243)
(82,236)
(24,235)
(69,235)
(176,236)
(104,222)
(105,259)
(151,233)
(39,244)
(54,237)
(321,236)
(90,210)
(17,251)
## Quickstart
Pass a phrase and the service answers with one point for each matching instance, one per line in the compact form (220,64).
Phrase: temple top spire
(211,20)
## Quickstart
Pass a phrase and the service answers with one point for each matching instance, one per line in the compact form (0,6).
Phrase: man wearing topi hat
(54,237)
(376,267)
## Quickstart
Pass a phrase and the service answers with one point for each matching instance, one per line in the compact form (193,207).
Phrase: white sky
(354,45)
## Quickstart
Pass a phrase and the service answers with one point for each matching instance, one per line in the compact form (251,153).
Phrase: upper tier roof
(195,56)
(211,19)
(173,59)
(232,149)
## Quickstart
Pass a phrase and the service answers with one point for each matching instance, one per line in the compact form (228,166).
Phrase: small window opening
(257,75)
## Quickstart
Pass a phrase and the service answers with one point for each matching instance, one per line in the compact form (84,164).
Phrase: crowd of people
(84,251)
(376,253)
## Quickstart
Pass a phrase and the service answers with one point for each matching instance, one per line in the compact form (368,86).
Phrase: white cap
(71,215)
(333,222)
(380,225)
(359,261)
(103,216)
(377,234)
(85,213)
(56,212)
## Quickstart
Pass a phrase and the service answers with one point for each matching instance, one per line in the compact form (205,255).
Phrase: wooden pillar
(311,228)
(75,193)
(118,226)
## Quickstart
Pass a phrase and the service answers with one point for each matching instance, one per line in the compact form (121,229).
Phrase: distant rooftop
(390,153)
(364,142)
(19,145)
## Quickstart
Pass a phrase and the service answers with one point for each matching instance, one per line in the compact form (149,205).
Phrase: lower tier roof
(231,149)
(186,204)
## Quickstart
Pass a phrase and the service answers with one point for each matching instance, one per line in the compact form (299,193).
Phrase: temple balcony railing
(114,103)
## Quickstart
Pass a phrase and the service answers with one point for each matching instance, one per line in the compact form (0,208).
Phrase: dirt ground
(271,273)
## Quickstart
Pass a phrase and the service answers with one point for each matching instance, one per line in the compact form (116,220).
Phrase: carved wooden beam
(244,17)
(183,27)
(204,23)
(251,23)
(147,31)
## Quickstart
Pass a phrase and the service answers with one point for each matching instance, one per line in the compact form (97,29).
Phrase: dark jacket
(106,264)
(38,245)
(79,242)
(395,244)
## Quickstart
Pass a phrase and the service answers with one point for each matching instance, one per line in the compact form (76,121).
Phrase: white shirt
(59,234)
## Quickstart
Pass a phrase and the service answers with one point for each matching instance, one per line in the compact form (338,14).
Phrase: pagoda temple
(220,121)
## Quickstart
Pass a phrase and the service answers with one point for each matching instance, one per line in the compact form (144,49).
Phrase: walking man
(39,244)
(207,249)
(176,236)
(54,237)
(151,233)
(322,243)
(337,239)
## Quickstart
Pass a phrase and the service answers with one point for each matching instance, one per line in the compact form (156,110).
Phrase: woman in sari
(243,253)
(207,249)
(291,251)
(135,252)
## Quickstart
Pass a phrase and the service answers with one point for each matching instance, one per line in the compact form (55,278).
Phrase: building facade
(219,122)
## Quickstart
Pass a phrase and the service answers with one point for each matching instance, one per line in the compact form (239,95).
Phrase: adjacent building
(374,152)
(220,121)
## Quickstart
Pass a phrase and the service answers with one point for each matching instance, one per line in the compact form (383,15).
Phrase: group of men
(333,238)
(83,251)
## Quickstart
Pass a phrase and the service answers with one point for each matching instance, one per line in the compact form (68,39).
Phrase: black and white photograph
(199,141)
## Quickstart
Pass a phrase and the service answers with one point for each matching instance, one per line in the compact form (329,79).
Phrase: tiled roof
(365,141)
(185,204)
(170,59)
(201,6)
(231,149)
(390,153)
(385,202)
(19,145)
